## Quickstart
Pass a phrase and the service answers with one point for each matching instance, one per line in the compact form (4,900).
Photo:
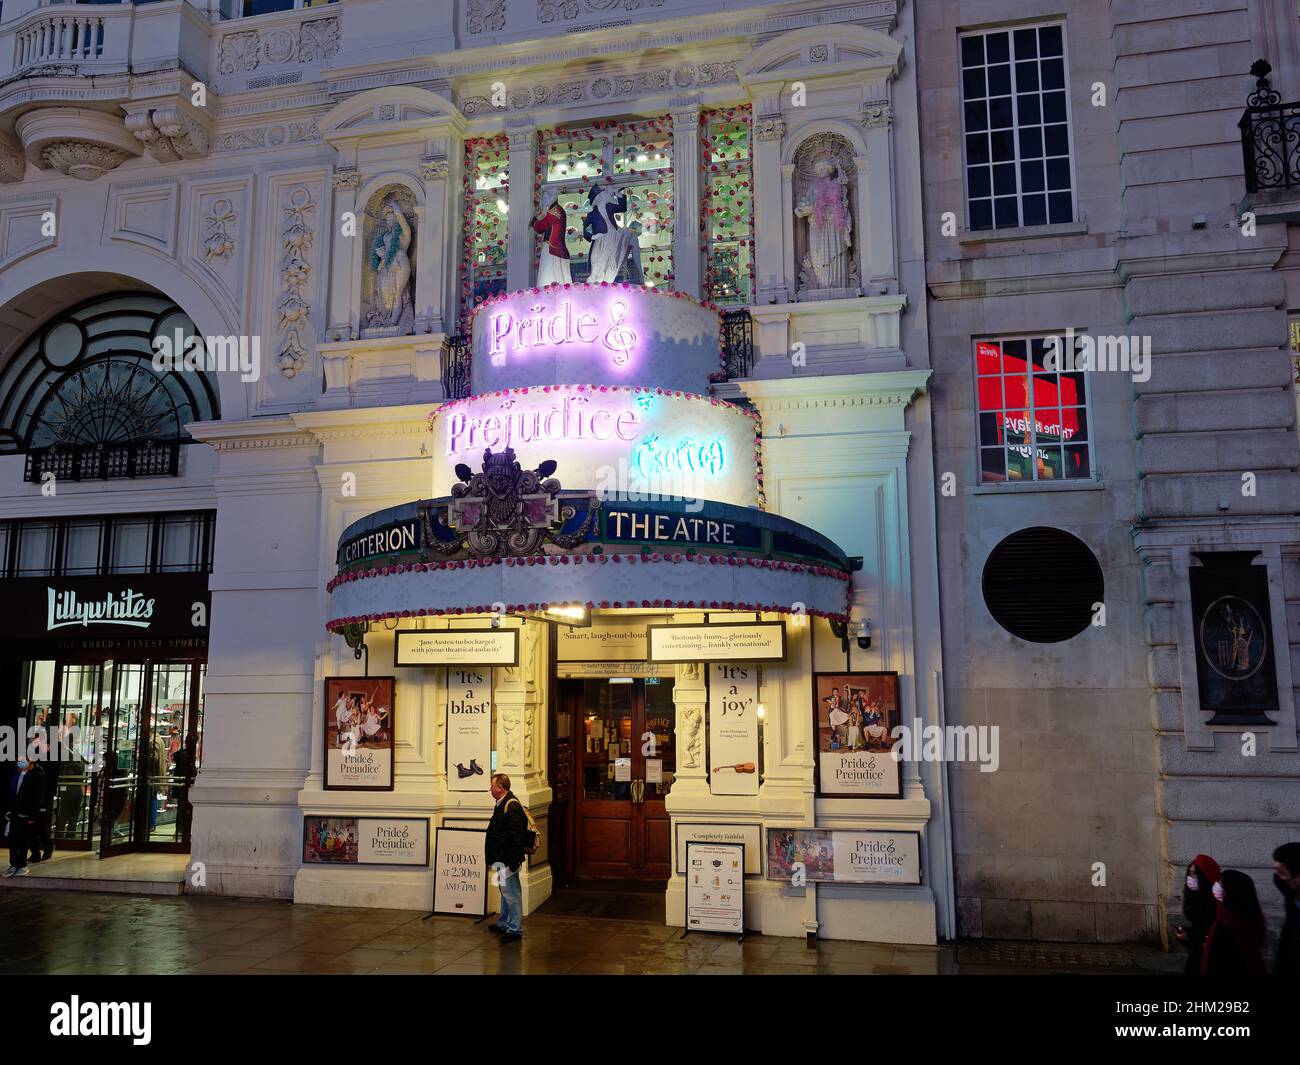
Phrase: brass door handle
(638,791)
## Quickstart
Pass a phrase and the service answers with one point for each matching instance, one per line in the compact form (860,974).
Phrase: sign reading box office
(758,641)
(456,647)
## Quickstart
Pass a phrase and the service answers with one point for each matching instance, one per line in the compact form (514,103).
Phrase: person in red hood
(553,268)
(1199,909)
(1236,939)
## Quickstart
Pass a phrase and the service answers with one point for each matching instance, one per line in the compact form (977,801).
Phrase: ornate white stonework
(769,128)
(347,177)
(877,114)
(312,42)
(169,133)
(82,159)
(218,242)
(432,169)
(610,86)
(295,272)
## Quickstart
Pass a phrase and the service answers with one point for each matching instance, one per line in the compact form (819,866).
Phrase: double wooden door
(622,770)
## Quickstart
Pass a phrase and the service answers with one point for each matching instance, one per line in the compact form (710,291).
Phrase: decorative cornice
(611,85)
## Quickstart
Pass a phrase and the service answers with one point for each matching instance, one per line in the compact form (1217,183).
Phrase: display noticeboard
(854,718)
(749,835)
(715,887)
(456,647)
(733,728)
(460,872)
(469,729)
(365,841)
(360,722)
(755,641)
(844,856)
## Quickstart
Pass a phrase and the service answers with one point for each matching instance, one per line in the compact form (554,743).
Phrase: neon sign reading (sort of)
(540,330)
(655,456)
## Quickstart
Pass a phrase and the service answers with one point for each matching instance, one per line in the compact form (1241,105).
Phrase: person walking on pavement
(23,798)
(507,840)
(1232,947)
(1286,878)
(1199,908)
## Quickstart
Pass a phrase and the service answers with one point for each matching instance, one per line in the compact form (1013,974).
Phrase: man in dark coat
(507,839)
(24,797)
(1286,878)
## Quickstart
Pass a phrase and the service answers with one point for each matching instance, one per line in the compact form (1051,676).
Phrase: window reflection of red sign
(1051,396)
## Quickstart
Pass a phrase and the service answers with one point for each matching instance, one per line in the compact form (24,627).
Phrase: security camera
(864,634)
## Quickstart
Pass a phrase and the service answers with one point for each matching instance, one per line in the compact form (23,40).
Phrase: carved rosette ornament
(295,272)
(82,159)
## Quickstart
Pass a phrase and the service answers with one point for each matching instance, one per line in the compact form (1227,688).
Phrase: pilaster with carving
(298,221)
(686,197)
(689,696)
(434,248)
(770,275)
(519,232)
(343,322)
(876,197)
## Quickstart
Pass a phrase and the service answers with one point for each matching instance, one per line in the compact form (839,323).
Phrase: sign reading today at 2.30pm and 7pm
(460,874)
(755,641)
(457,647)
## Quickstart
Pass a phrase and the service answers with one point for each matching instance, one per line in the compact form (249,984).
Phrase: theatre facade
(649,528)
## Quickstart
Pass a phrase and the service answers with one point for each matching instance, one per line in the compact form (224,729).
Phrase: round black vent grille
(1040,584)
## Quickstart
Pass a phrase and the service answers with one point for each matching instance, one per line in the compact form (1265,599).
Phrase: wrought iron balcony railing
(1270,136)
(102,462)
(455,371)
(737,343)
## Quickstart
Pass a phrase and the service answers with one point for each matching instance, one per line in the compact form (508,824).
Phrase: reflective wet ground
(71,932)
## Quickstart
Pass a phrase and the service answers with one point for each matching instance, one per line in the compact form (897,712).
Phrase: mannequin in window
(611,245)
(553,268)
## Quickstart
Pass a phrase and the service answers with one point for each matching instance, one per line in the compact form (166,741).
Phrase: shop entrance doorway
(621,768)
(130,736)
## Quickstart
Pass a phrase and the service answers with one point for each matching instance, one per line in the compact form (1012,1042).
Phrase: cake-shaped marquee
(589,466)
(594,334)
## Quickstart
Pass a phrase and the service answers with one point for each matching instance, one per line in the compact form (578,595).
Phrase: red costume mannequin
(553,268)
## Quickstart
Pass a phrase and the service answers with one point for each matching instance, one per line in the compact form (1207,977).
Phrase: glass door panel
(77,792)
(660,722)
(124,689)
(608,709)
(166,781)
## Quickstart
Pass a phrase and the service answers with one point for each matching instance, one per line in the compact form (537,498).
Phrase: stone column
(434,249)
(345,279)
(519,231)
(687,191)
(877,266)
(769,210)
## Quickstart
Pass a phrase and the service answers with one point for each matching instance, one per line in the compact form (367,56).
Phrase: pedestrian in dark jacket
(1199,908)
(507,840)
(42,841)
(24,797)
(1235,940)
(1286,878)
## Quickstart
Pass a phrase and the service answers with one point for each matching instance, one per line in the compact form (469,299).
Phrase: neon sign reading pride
(538,329)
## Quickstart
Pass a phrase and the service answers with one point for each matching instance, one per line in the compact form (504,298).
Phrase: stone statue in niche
(388,297)
(825,195)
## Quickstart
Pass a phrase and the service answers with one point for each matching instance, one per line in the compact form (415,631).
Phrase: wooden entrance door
(623,769)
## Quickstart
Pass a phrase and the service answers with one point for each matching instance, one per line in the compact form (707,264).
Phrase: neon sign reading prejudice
(564,420)
(540,330)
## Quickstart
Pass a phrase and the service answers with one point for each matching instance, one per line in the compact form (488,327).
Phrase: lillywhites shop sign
(127,607)
(174,605)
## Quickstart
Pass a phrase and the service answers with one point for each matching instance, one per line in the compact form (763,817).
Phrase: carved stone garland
(295,272)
